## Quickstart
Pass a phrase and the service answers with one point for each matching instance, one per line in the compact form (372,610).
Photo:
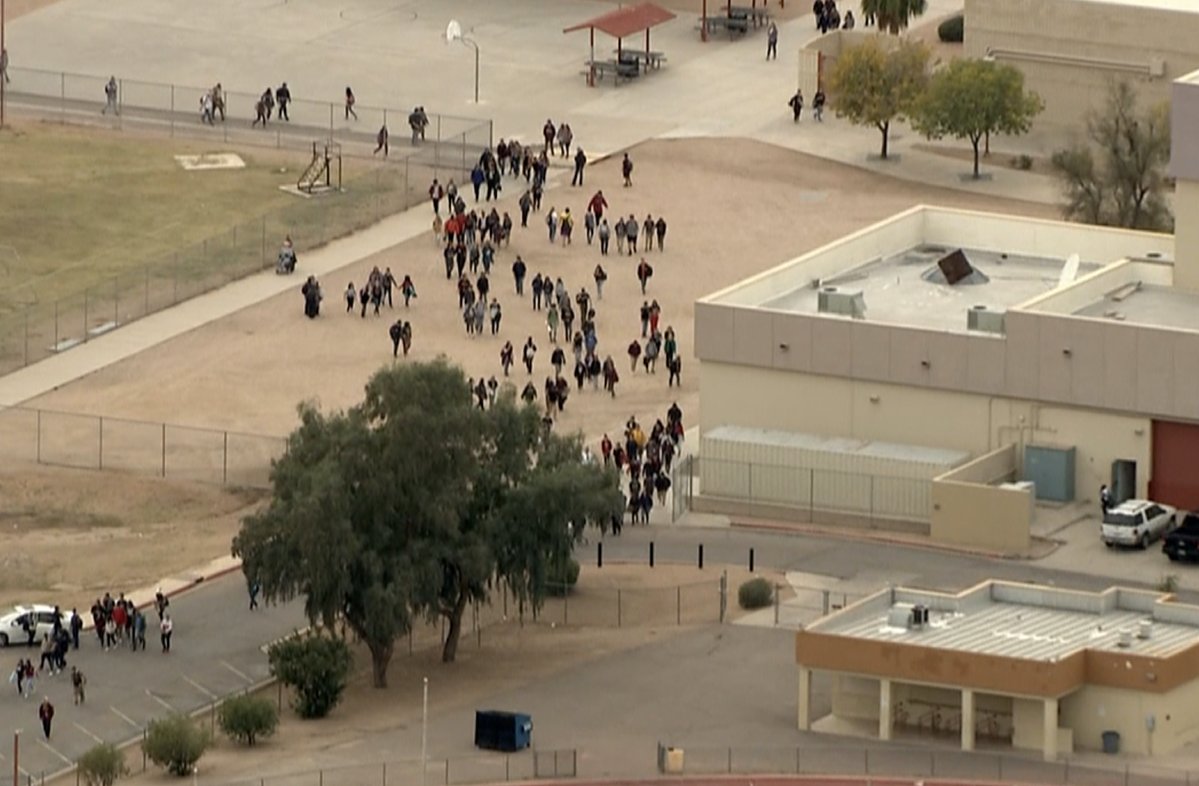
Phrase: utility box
(503,731)
(1051,470)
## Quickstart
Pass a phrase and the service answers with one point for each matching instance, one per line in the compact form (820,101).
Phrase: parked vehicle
(1136,522)
(1183,542)
(16,623)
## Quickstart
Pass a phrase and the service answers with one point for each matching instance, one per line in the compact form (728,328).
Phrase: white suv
(14,624)
(1136,522)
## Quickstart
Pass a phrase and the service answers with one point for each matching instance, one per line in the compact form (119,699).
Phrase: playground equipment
(319,175)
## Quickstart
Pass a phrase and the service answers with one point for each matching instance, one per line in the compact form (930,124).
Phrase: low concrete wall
(969,511)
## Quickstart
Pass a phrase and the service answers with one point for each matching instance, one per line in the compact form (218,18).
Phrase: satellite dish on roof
(453,31)
(1069,271)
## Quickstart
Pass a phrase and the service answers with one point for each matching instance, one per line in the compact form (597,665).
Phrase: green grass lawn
(78,207)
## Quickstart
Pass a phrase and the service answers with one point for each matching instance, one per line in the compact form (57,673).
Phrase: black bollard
(651,553)
(701,556)
(751,560)
(599,554)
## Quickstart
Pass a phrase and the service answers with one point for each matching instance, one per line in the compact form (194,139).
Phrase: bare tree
(1119,177)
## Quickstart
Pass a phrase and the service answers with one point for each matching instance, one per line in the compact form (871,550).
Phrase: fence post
(172,109)
(651,553)
(932,764)
(62,87)
(566,605)
(447,770)
(26,363)
(100,446)
(147,311)
(730,760)
(777,587)
(164,450)
(39,436)
(724,594)
(87,293)
(599,554)
(279,697)
(751,560)
(824,603)
(116,301)
(866,761)
(701,556)
(225,461)
(618,609)
(55,325)
(678,605)
(750,474)
(797,768)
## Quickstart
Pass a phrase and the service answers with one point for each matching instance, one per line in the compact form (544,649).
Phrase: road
(218,646)
(216,650)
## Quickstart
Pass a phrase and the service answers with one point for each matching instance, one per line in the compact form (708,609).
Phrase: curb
(801,529)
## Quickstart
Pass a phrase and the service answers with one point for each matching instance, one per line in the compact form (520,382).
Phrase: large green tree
(415,503)
(875,85)
(973,99)
(893,15)
(1119,178)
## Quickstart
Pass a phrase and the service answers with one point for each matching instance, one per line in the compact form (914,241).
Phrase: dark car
(1183,542)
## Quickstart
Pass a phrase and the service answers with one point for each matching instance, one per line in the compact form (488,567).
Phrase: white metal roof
(1025,621)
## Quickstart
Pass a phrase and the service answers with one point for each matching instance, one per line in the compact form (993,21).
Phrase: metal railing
(915,762)
(168,450)
(450,141)
(816,495)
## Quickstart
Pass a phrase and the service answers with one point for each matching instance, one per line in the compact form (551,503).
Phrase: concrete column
(1049,726)
(967,719)
(805,698)
(884,709)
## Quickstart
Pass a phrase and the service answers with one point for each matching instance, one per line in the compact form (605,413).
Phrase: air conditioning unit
(900,616)
(984,320)
(1125,639)
(845,302)
(1145,629)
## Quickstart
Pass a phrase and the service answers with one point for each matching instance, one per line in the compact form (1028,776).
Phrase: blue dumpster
(502,731)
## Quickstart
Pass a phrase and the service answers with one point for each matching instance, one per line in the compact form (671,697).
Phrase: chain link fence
(914,762)
(449,141)
(69,439)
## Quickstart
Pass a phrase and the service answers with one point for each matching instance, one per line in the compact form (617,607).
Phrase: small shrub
(248,718)
(1022,161)
(176,743)
(562,578)
(755,594)
(102,765)
(1168,583)
(317,667)
(952,30)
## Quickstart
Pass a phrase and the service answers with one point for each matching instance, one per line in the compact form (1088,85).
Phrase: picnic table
(759,16)
(620,69)
(647,58)
(734,25)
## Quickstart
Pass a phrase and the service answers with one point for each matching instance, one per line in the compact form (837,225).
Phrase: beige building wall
(1186,234)
(1095,709)
(791,401)
(1069,51)
(969,509)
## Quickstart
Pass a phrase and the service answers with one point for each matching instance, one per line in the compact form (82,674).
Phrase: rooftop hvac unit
(985,320)
(900,616)
(846,302)
(1145,629)
(1125,639)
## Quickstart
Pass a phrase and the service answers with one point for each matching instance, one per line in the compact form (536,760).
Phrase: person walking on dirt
(626,171)
(283,98)
(110,95)
(260,112)
(580,162)
(796,104)
(382,141)
(4,65)
(350,101)
(45,713)
(395,331)
(772,42)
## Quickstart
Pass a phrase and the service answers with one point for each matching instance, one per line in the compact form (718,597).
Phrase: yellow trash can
(674,761)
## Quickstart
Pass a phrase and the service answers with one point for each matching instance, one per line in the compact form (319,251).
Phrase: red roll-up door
(1175,470)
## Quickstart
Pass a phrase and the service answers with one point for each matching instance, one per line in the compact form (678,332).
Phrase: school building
(943,370)
(1009,665)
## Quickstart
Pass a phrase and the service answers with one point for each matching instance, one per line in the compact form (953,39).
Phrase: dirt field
(733,207)
(67,536)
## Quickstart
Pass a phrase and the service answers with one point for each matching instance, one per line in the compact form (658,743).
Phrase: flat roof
(907,288)
(1024,621)
(844,445)
(1186,6)
(1147,304)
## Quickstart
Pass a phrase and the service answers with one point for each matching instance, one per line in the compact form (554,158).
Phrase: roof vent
(1125,639)
(1145,629)
(984,320)
(846,302)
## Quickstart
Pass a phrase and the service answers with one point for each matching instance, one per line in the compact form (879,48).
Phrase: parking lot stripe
(236,671)
(88,733)
(198,686)
(163,702)
(50,748)
(125,717)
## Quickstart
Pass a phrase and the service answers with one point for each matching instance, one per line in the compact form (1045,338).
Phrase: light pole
(453,32)
(424,735)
